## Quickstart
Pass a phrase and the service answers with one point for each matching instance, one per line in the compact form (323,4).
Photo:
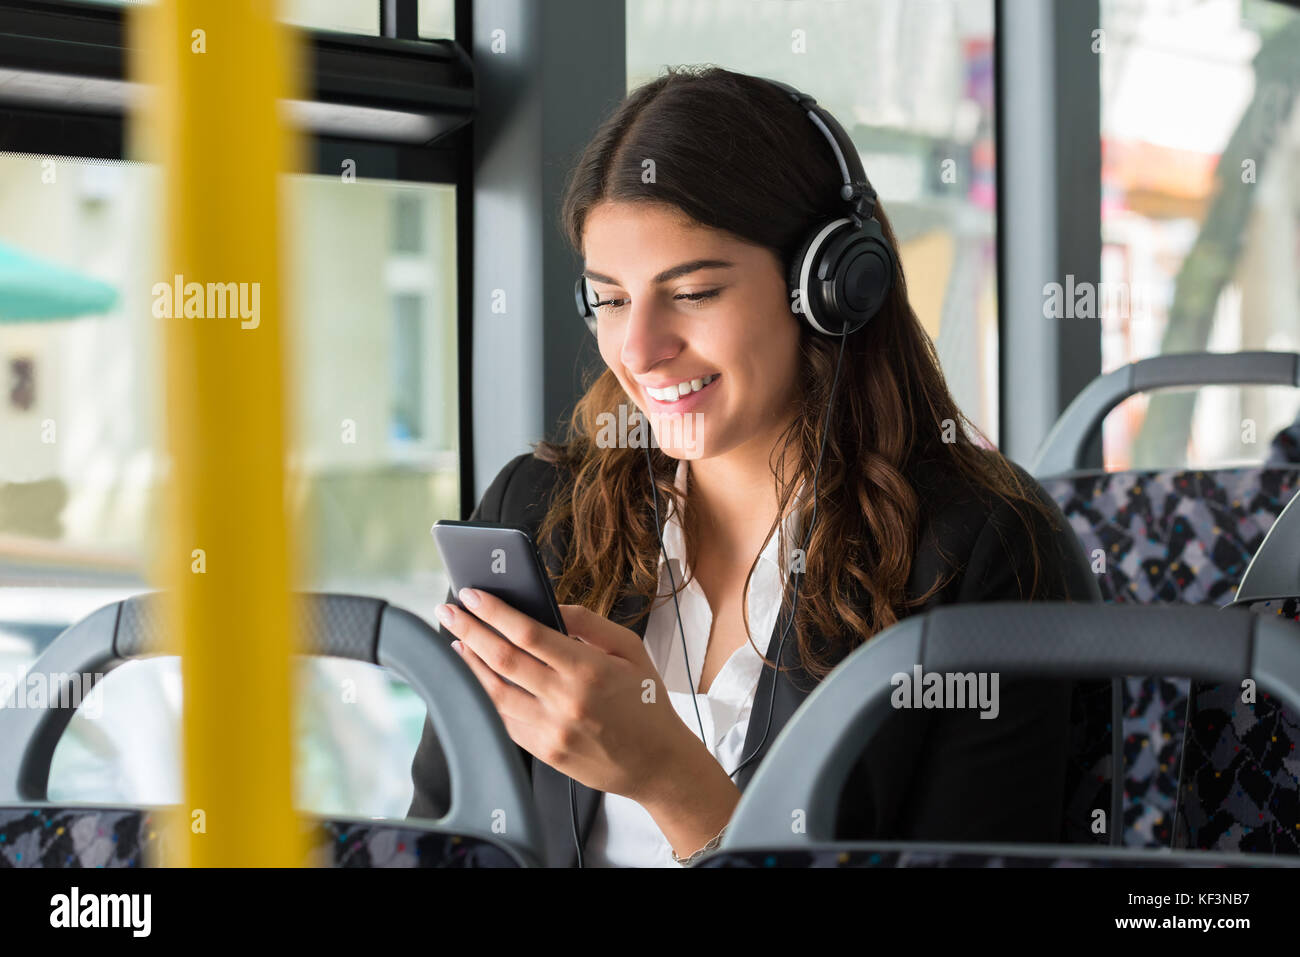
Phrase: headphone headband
(856,188)
(844,268)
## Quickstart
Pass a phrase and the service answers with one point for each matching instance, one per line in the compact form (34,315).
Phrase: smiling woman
(705,297)
(727,215)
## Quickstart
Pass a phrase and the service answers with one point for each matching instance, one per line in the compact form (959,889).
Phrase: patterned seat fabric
(1156,537)
(124,837)
(1241,775)
(75,837)
(395,844)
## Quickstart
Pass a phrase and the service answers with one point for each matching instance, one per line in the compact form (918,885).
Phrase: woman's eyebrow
(673,272)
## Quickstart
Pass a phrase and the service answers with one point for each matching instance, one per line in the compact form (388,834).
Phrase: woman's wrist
(712,845)
(696,802)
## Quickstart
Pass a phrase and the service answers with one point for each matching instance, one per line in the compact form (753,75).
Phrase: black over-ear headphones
(844,268)
(841,273)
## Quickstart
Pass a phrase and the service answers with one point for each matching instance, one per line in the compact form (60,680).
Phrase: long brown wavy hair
(736,154)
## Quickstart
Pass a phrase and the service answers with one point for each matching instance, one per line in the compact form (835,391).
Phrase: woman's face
(690,302)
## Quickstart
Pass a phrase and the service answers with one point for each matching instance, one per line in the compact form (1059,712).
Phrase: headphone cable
(794,607)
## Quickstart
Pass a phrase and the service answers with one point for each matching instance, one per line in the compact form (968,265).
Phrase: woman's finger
(501,655)
(547,645)
(509,701)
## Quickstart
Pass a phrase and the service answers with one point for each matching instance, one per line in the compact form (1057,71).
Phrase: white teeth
(674,392)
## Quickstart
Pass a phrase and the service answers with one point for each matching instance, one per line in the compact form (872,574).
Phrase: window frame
(395,71)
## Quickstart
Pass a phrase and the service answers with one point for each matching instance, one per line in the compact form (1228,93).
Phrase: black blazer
(938,775)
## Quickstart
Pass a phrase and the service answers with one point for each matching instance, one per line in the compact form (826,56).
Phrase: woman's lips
(686,403)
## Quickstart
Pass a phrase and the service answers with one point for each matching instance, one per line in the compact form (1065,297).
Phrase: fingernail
(456,646)
(469,596)
(445,614)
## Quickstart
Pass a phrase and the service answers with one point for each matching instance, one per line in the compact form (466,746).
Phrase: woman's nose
(648,337)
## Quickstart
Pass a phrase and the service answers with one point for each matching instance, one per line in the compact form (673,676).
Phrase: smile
(673,393)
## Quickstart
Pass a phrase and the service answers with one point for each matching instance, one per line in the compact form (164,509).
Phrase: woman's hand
(594,709)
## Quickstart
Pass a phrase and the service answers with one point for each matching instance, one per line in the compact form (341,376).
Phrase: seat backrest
(812,757)
(1155,537)
(1241,771)
(489,783)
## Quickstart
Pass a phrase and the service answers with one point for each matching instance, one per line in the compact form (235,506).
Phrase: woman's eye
(698,297)
(695,297)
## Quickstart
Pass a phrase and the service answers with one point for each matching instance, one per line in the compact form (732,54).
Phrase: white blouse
(624,834)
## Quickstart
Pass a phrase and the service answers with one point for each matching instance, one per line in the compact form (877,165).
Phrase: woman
(688,207)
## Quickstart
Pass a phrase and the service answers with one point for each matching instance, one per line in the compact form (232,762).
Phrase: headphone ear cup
(859,273)
(832,280)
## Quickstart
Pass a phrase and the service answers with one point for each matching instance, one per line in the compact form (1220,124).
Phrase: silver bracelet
(713,843)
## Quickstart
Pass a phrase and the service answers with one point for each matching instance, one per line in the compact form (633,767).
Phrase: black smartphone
(501,560)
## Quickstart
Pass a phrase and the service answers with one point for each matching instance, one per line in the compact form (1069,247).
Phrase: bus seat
(1159,537)
(488,778)
(812,757)
(1166,537)
(1241,771)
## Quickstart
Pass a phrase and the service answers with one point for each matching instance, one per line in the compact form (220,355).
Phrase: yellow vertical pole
(216,72)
